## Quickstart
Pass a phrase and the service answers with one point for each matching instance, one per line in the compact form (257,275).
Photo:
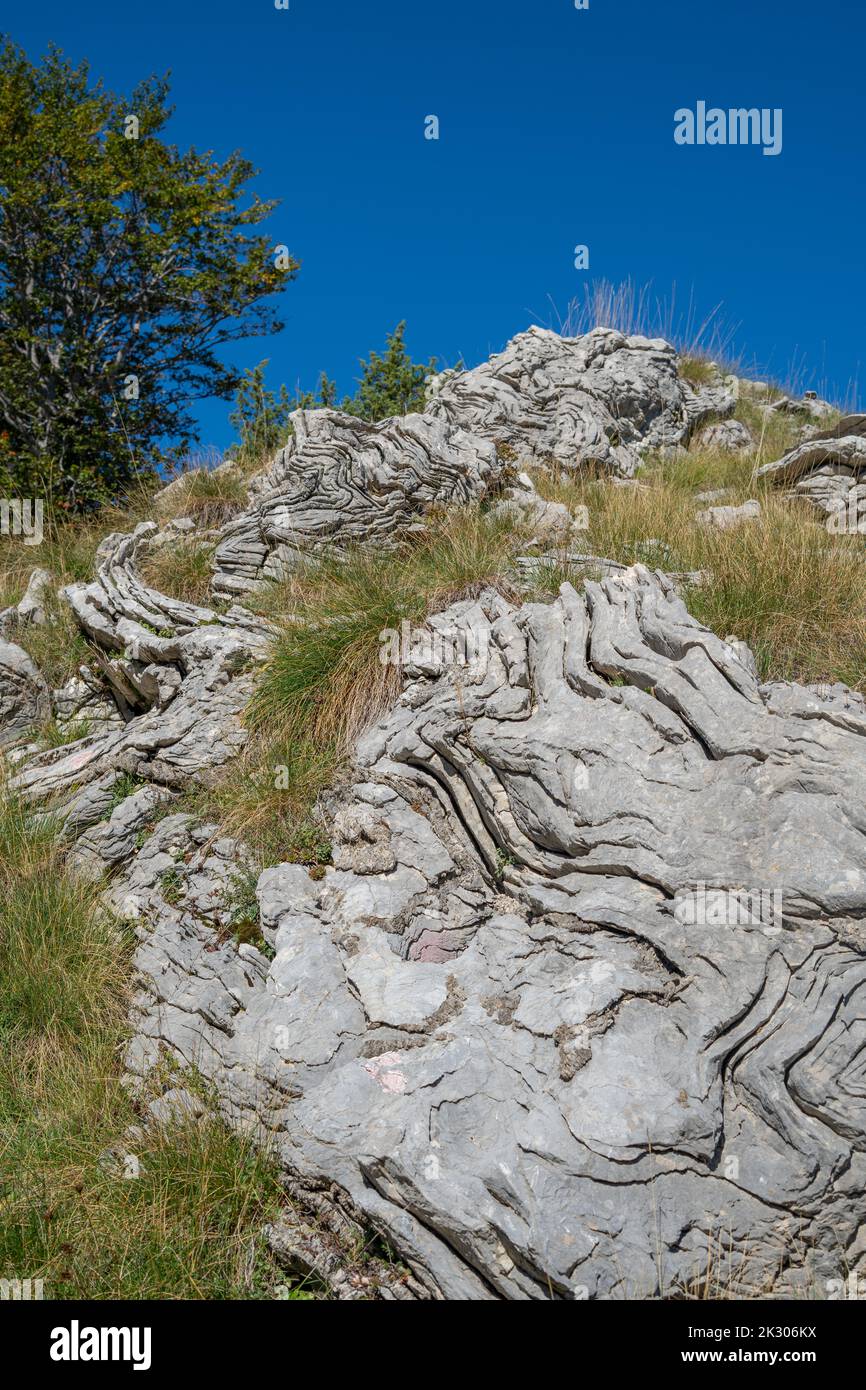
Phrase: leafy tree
(125,265)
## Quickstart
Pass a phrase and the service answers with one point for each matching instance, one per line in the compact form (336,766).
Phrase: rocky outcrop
(578,1008)
(25,700)
(809,404)
(593,402)
(582,997)
(729,436)
(723,518)
(341,481)
(597,401)
(826,470)
(181,676)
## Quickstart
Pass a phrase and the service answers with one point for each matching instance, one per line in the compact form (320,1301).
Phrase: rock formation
(578,1009)
(595,402)
(497,1025)
(826,470)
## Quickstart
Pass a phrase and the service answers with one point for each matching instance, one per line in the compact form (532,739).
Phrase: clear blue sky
(556,129)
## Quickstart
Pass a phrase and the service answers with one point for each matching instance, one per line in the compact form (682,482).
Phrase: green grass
(126,784)
(324,681)
(189,1225)
(51,735)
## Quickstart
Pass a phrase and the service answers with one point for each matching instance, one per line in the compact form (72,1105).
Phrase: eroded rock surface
(827,471)
(578,1008)
(180,676)
(499,1025)
(25,700)
(340,481)
(594,401)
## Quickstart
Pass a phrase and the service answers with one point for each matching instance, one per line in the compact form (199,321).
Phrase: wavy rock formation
(181,677)
(826,471)
(579,1010)
(24,697)
(518,1025)
(340,481)
(595,401)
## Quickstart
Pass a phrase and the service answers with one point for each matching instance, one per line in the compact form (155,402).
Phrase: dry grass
(208,497)
(182,569)
(795,593)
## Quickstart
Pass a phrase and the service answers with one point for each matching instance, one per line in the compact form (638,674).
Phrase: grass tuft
(211,497)
(182,569)
(324,682)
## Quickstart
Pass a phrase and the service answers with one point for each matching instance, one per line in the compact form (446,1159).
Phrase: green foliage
(260,418)
(52,735)
(390,384)
(171,885)
(126,785)
(120,258)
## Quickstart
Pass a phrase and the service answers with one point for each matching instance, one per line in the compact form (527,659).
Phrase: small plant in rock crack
(126,784)
(171,885)
(242,906)
(53,735)
(504,861)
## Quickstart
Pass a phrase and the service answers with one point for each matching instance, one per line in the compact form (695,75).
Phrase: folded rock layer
(579,1009)
(492,1025)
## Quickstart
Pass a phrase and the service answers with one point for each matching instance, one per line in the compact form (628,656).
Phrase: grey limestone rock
(340,481)
(581,997)
(596,401)
(724,517)
(583,994)
(827,471)
(732,436)
(25,699)
(181,676)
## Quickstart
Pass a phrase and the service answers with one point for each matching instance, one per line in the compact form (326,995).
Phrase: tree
(391,384)
(124,266)
(260,418)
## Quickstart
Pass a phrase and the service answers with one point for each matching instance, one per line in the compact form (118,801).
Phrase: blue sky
(556,129)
